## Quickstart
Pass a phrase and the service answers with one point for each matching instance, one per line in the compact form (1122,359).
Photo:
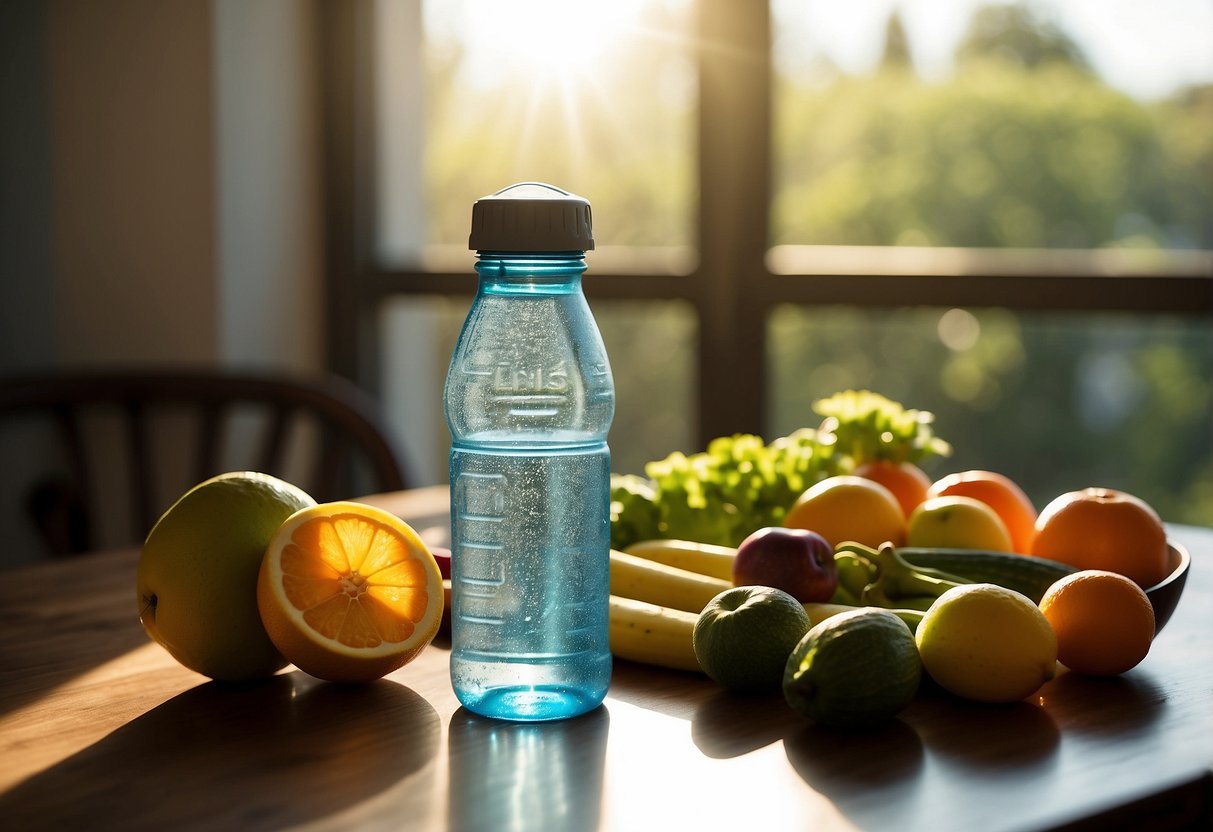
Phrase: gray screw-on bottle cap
(531,216)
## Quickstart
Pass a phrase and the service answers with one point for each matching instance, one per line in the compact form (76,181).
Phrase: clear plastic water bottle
(529,399)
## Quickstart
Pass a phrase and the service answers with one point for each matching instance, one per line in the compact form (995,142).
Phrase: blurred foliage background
(1023,145)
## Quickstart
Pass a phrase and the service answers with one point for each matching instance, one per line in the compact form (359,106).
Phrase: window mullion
(734,188)
(345,100)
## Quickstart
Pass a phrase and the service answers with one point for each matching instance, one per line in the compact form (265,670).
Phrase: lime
(853,670)
(197,577)
(987,643)
(744,635)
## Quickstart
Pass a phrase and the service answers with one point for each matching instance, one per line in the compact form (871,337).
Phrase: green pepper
(855,572)
(897,583)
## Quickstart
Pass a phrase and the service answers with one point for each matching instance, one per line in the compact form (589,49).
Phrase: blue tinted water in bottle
(529,398)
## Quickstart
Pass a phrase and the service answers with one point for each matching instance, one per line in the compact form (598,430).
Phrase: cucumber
(1025,574)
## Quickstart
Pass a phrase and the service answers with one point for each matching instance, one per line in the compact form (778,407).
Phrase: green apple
(743,637)
(197,578)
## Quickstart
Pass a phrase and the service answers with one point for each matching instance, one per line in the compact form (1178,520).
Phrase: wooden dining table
(100,728)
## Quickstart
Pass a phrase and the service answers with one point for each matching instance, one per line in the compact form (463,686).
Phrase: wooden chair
(130,442)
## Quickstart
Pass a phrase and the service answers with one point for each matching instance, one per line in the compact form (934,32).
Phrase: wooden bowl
(1164,595)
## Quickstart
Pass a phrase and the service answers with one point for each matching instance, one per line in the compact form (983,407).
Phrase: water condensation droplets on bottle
(529,399)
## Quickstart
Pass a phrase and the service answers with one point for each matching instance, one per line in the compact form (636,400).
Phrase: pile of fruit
(828,565)
(246,573)
(825,564)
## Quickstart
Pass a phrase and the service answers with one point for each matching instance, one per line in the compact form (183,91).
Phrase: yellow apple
(956,522)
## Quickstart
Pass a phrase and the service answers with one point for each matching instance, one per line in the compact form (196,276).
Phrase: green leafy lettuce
(740,483)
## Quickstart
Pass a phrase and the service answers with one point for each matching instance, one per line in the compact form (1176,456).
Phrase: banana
(820,612)
(666,586)
(638,631)
(704,558)
(652,634)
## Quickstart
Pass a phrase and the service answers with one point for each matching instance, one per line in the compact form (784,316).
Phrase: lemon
(197,576)
(854,669)
(744,635)
(987,643)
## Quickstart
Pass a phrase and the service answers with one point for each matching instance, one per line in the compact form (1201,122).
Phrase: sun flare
(547,35)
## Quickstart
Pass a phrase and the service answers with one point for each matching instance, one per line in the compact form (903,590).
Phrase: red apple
(798,561)
(443,556)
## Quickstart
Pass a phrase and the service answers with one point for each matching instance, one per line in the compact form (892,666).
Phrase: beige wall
(26,319)
(161,192)
(184,182)
(268,155)
(132,114)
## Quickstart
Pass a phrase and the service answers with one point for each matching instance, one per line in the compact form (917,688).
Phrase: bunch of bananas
(656,599)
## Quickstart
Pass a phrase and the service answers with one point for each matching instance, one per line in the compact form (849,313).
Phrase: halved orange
(349,592)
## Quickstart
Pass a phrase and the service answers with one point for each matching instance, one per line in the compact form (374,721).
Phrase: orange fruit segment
(349,592)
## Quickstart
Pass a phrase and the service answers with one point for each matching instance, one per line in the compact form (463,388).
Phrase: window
(995,214)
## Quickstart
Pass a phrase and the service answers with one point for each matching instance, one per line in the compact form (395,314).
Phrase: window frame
(732,286)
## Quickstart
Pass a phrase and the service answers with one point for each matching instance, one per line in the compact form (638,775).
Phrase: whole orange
(1100,528)
(1104,622)
(846,507)
(1000,493)
(906,480)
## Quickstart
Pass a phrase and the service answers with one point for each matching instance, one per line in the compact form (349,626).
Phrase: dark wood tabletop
(100,728)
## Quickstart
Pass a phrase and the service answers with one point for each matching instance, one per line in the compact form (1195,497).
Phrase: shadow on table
(729,725)
(1116,706)
(980,740)
(511,776)
(983,737)
(78,626)
(674,693)
(265,755)
(849,767)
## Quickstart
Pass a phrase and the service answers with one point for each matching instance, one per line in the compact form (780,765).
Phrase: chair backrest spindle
(209,439)
(328,463)
(142,473)
(350,439)
(273,444)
